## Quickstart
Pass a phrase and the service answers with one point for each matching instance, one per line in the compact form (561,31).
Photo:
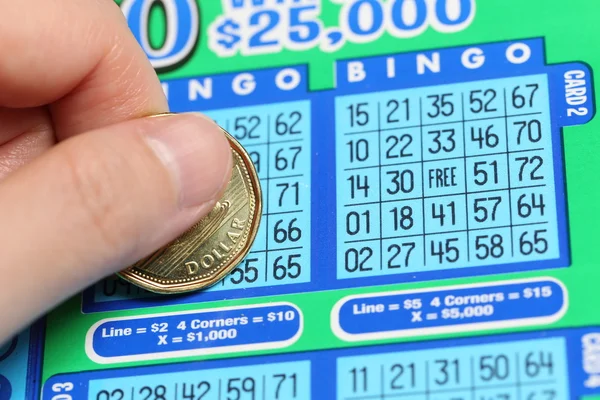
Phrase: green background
(570,32)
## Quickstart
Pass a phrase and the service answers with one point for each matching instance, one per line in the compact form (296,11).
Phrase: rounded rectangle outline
(93,356)
(475,326)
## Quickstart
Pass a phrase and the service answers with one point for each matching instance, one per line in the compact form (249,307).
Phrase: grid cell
(399,146)
(402,218)
(486,136)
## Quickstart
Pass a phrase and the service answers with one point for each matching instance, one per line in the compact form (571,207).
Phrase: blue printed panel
(538,365)
(446,177)
(509,371)
(14,367)
(464,308)
(273,381)
(169,335)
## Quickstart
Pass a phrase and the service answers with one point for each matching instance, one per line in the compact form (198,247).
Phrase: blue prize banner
(168,335)
(463,308)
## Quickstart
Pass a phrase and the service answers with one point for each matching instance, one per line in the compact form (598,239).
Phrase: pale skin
(89,182)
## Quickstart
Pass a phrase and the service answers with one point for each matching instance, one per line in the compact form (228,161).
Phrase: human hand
(88,184)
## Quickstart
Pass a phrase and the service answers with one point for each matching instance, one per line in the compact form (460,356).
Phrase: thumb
(98,202)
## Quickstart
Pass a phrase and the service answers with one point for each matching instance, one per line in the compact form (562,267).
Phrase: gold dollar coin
(215,245)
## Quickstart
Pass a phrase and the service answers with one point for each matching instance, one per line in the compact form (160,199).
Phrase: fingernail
(196,153)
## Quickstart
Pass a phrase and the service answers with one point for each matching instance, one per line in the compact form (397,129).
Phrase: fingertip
(197,154)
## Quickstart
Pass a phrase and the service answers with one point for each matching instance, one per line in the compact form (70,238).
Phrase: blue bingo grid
(19,368)
(446,176)
(545,365)
(518,370)
(273,381)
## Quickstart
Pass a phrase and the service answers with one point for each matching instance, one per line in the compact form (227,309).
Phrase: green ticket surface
(429,186)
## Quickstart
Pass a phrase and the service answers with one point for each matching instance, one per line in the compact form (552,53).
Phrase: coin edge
(181,288)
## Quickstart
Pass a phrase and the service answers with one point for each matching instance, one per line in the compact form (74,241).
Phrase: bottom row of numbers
(442,251)
(518,370)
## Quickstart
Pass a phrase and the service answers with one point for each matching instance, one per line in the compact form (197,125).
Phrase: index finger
(79,57)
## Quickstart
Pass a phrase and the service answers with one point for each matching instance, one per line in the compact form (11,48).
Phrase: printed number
(489,246)
(249,273)
(442,213)
(398,371)
(189,392)
(282,162)
(359,150)
(447,370)
(580,111)
(487,138)
(257,38)
(353,222)
(358,116)
(535,162)
(535,242)
(403,181)
(394,106)
(442,105)
(493,367)
(519,100)
(62,387)
(403,219)
(245,127)
(303,31)
(255,157)
(534,130)
(294,192)
(286,125)
(292,270)
(111,287)
(482,211)
(543,394)
(445,248)
(449,142)
(157,393)
(525,208)
(116,394)
(359,182)
(481,102)
(479,170)
(282,379)
(397,250)
(403,141)
(536,362)
(355,259)
(235,387)
(359,379)
(291,233)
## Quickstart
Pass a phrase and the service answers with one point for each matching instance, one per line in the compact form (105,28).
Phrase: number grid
(277,137)
(471,184)
(290,380)
(531,369)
